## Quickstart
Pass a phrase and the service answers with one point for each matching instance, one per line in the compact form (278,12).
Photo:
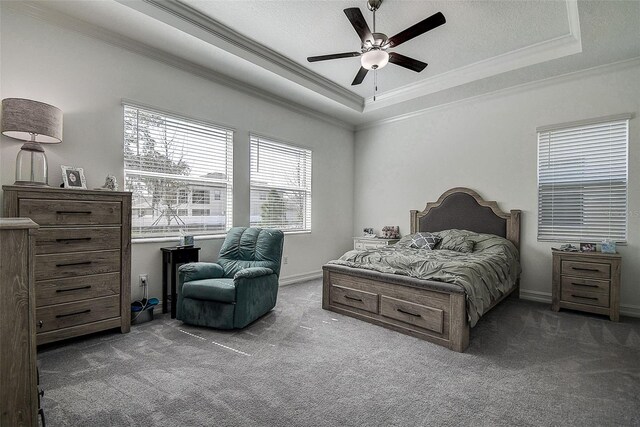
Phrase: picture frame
(588,247)
(73,177)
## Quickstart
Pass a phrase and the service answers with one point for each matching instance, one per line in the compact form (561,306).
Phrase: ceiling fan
(373,53)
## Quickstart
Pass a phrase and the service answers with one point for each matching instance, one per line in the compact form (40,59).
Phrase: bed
(433,310)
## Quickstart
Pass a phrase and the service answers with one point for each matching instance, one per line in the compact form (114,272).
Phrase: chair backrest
(251,247)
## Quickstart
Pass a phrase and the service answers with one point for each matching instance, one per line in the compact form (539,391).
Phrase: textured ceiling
(475,31)
(484,46)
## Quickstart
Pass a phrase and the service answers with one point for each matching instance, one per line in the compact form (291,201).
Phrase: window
(280,185)
(200,197)
(582,181)
(217,195)
(171,165)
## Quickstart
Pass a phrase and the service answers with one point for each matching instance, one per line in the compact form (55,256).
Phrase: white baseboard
(630,310)
(535,296)
(545,297)
(297,278)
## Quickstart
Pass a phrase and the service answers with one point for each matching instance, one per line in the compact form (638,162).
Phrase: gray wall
(489,144)
(87,79)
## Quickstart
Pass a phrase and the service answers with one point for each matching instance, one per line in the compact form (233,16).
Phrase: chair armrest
(252,272)
(199,271)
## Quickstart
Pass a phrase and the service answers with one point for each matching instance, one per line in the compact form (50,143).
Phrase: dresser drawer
(59,240)
(414,314)
(71,212)
(581,284)
(356,298)
(55,266)
(586,269)
(585,297)
(76,313)
(49,292)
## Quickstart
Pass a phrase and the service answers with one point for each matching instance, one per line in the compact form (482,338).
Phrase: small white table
(364,243)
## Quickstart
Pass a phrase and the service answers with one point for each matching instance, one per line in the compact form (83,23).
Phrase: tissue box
(608,247)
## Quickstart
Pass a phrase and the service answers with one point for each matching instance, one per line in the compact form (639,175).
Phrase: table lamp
(37,123)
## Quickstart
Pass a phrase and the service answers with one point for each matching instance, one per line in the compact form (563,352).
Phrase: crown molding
(45,14)
(593,71)
(206,28)
(548,50)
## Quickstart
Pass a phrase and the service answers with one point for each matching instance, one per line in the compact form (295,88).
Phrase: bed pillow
(456,243)
(424,240)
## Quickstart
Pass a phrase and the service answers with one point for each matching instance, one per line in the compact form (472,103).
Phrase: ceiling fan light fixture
(374,59)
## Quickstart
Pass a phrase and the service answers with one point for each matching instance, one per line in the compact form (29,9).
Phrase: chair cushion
(222,290)
(251,247)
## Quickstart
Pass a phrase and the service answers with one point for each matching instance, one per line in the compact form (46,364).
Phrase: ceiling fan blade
(406,62)
(359,24)
(333,56)
(360,76)
(421,27)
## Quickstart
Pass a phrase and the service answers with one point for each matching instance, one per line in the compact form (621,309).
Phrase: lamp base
(31,165)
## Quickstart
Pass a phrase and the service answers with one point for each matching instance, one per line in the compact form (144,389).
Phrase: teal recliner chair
(237,289)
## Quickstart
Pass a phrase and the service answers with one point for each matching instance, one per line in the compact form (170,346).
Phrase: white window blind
(582,182)
(280,185)
(174,166)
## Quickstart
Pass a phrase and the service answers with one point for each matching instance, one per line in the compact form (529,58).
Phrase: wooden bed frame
(427,309)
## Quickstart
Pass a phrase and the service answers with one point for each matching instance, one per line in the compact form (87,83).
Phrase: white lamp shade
(23,119)
(374,59)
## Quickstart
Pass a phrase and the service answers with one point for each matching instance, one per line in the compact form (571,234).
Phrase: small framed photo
(587,247)
(73,177)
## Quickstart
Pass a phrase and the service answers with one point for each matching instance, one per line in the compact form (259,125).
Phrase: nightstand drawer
(590,285)
(363,300)
(586,269)
(414,314)
(71,212)
(358,245)
(585,297)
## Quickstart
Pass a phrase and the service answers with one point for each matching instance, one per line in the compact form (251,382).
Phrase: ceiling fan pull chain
(375,83)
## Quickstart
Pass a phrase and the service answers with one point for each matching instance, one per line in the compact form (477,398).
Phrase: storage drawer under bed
(356,298)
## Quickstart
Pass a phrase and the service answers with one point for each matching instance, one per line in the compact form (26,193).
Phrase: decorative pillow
(456,243)
(424,240)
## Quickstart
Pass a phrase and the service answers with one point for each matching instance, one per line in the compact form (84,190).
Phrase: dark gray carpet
(303,366)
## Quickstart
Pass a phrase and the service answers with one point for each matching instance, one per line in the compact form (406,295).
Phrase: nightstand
(587,281)
(364,243)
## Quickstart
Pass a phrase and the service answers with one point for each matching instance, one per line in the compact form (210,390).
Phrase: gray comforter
(485,274)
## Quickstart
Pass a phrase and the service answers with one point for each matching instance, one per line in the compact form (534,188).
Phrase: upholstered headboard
(464,209)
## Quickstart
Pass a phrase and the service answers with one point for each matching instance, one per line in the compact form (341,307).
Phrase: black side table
(171,257)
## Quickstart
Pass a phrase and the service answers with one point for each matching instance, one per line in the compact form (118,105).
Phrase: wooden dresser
(83,258)
(18,393)
(587,281)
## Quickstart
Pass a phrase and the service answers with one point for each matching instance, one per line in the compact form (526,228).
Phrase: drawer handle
(595,270)
(74,212)
(580,296)
(408,312)
(73,314)
(584,284)
(74,263)
(74,289)
(353,298)
(74,239)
